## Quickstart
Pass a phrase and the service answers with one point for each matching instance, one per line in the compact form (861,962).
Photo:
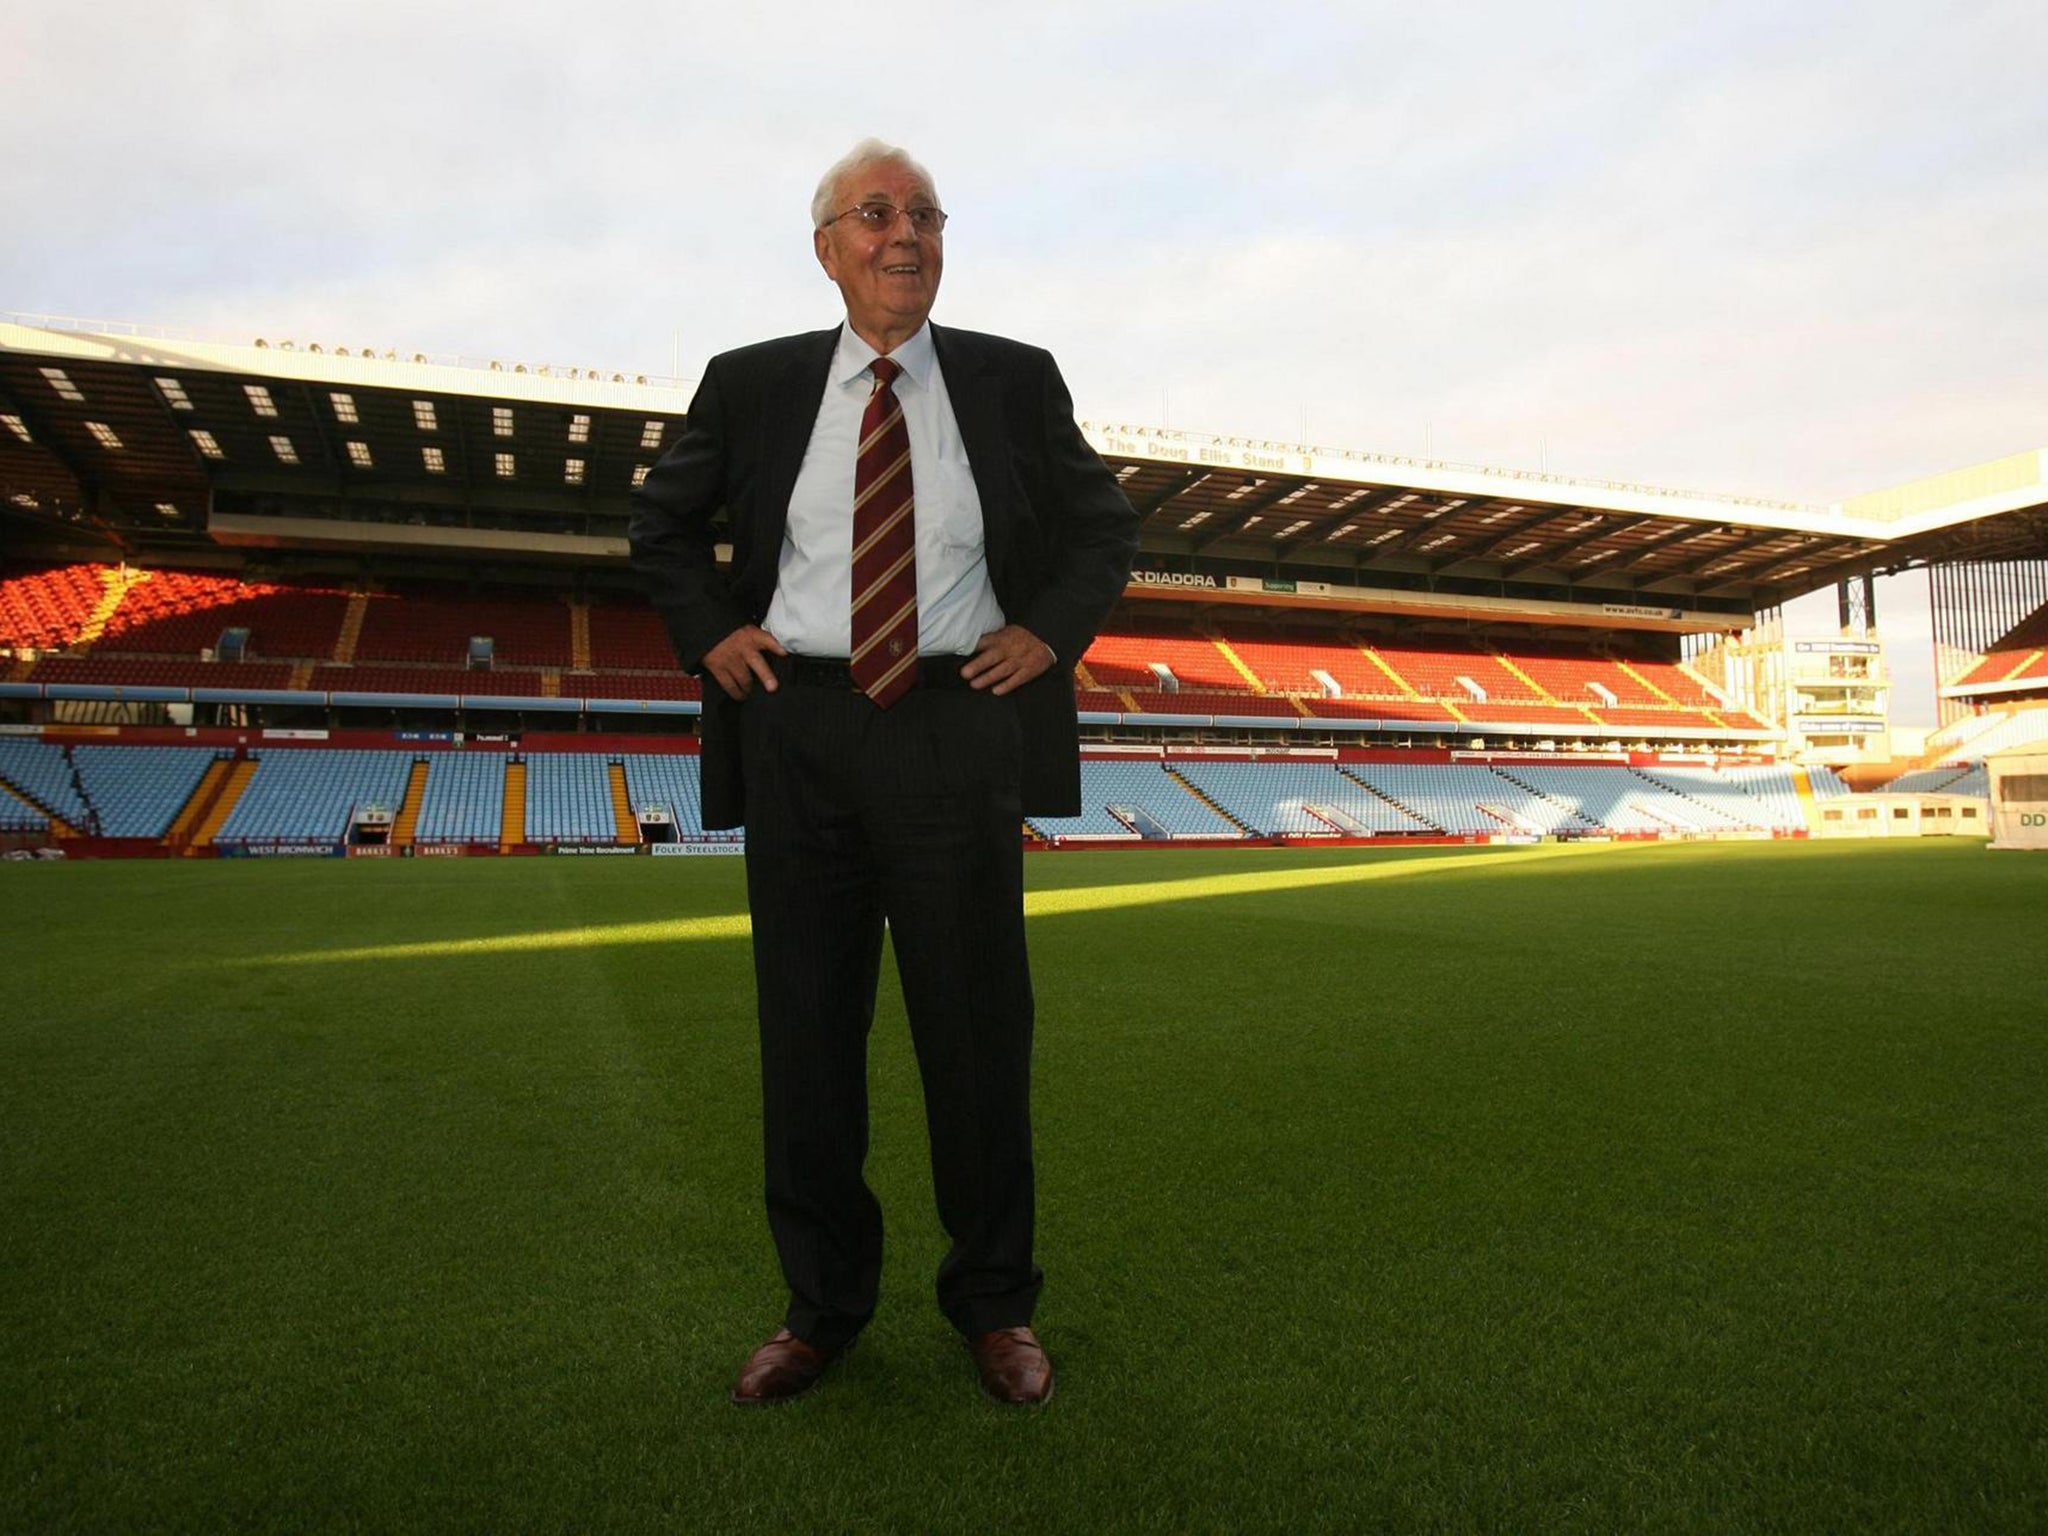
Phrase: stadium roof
(168,448)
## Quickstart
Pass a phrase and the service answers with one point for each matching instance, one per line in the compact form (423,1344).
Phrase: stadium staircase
(551,684)
(1179,778)
(1536,690)
(1802,785)
(512,824)
(1252,680)
(579,637)
(23,665)
(1402,687)
(351,632)
(204,793)
(1637,677)
(1083,678)
(622,806)
(205,816)
(408,818)
(117,580)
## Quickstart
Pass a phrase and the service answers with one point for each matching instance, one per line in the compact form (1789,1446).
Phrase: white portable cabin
(2019,796)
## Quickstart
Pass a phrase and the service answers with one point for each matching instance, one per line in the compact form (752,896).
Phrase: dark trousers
(859,817)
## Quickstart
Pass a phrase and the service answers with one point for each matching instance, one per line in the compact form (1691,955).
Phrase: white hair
(864,154)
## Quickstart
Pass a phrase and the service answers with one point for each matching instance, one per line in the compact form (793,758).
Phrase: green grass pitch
(1650,1188)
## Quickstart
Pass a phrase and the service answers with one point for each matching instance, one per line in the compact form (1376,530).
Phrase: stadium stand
(308,796)
(2020,728)
(161,672)
(2022,652)
(1774,789)
(465,798)
(1234,673)
(138,791)
(42,609)
(669,782)
(1299,799)
(435,626)
(1615,798)
(46,774)
(1709,801)
(1134,660)
(1975,781)
(628,640)
(1463,799)
(359,678)
(1826,784)
(1126,800)
(414,639)
(1192,701)
(182,613)
(569,798)
(1927,780)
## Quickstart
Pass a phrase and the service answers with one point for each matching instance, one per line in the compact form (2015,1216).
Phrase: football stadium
(1568,1069)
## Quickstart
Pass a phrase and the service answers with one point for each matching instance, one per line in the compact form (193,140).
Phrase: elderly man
(922,547)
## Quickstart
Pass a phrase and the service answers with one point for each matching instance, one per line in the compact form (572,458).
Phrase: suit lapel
(975,388)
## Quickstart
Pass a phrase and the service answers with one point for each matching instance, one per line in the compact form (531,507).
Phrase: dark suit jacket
(1059,532)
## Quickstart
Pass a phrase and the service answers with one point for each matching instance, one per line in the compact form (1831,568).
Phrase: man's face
(890,277)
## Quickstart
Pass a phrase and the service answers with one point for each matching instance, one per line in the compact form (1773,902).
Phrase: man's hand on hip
(740,660)
(1006,659)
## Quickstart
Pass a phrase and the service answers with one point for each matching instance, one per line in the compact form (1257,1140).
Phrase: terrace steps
(1407,689)
(116,582)
(215,812)
(622,806)
(2025,662)
(203,795)
(1252,680)
(351,632)
(1536,690)
(1642,681)
(579,637)
(512,822)
(407,821)
(1802,785)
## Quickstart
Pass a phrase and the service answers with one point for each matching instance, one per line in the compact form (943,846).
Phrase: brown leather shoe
(1013,1365)
(783,1368)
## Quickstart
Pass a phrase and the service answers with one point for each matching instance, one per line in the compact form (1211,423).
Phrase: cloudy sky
(1791,249)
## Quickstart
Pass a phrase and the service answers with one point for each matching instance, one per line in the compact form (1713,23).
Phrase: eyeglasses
(878,217)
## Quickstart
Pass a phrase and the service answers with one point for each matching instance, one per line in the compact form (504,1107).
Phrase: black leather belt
(818,672)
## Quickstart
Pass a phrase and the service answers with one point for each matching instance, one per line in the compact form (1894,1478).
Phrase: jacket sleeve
(1094,527)
(671,533)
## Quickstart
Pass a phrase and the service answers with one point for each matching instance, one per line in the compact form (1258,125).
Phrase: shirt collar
(854,355)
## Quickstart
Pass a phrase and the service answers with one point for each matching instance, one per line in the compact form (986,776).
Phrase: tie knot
(885,370)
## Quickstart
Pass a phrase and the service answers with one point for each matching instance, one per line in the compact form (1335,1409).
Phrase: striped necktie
(884,661)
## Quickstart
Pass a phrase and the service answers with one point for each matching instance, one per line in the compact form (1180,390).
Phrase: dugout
(2019,797)
(1897,814)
